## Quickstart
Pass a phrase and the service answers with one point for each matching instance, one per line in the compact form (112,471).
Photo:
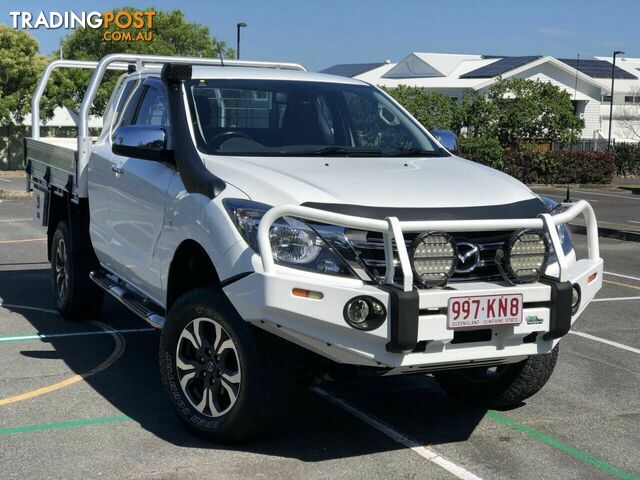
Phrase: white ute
(280,225)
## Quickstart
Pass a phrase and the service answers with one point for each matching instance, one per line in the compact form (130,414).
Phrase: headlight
(527,255)
(294,243)
(563,231)
(434,258)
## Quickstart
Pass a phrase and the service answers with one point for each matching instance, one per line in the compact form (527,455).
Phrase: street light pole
(238,27)
(613,71)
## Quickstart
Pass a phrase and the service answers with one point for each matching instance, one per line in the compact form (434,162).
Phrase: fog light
(575,299)
(364,313)
(527,255)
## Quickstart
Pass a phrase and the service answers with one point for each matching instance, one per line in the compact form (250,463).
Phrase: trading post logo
(117,26)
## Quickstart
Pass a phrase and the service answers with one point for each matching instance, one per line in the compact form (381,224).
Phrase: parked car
(280,225)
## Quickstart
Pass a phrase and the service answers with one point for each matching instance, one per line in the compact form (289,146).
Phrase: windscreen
(278,118)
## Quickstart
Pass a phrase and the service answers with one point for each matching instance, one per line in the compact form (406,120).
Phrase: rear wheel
(227,380)
(77,297)
(501,386)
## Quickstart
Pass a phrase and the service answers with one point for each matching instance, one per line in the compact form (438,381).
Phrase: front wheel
(227,380)
(502,386)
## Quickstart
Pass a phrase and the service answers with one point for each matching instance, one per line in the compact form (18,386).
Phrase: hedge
(531,166)
(627,158)
(561,167)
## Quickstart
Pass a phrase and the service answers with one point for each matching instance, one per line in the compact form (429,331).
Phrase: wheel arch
(191,267)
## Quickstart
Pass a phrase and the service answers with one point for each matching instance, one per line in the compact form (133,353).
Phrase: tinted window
(127,104)
(153,109)
(126,91)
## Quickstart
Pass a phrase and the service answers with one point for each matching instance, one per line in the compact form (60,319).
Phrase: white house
(587,81)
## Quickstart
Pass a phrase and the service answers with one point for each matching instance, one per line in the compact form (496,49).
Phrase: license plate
(479,311)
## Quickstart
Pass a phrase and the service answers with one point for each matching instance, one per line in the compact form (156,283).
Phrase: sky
(321,33)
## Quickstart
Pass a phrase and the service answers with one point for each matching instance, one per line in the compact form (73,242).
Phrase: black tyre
(502,386)
(227,380)
(77,297)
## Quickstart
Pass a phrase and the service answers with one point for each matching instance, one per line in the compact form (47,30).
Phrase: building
(64,123)
(588,82)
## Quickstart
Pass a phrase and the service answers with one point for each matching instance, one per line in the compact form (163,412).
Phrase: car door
(101,176)
(137,200)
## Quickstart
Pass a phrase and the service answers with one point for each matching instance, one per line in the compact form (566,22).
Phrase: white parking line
(614,299)
(562,197)
(13,220)
(24,307)
(5,180)
(605,341)
(425,452)
(622,276)
(44,336)
(606,194)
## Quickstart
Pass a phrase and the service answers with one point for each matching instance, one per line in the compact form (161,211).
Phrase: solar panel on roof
(351,69)
(597,68)
(498,68)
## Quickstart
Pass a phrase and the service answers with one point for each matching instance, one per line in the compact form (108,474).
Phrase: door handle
(117,170)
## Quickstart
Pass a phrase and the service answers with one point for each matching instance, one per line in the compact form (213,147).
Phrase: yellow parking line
(635,287)
(24,240)
(117,352)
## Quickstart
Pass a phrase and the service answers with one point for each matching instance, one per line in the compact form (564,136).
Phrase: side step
(144,308)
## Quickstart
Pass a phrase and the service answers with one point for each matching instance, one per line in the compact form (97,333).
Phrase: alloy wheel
(62,270)
(208,367)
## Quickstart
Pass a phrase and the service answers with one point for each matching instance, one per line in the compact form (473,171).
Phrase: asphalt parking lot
(14,183)
(83,400)
(616,209)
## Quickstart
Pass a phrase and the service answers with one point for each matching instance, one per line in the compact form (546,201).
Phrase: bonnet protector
(524,209)
(195,176)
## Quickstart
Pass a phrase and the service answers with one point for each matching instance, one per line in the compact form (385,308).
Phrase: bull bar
(393,229)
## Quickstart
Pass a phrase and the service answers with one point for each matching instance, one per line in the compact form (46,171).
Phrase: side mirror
(142,141)
(447,139)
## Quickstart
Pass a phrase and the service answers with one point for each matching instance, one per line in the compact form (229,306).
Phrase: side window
(153,109)
(122,103)
(126,108)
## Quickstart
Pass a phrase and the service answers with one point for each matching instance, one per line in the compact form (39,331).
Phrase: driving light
(528,255)
(364,313)
(434,258)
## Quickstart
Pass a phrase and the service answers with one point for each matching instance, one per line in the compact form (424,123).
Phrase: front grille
(369,246)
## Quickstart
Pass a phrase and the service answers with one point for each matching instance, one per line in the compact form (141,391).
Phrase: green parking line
(69,424)
(574,452)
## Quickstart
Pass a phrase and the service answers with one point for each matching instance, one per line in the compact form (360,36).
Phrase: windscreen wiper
(334,150)
(416,152)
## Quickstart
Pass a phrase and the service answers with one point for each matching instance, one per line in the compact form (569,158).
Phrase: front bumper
(415,333)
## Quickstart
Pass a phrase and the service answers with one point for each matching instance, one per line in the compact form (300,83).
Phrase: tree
(629,116)
(476,116)
(529,110)
(171,33)
(20,68)
(432,109)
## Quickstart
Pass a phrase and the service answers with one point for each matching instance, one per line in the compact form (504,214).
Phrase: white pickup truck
(278,224)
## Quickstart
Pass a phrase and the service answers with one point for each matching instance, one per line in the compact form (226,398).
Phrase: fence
(12,146)
(599,145)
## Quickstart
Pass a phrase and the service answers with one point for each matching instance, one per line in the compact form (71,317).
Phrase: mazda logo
(468,257)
